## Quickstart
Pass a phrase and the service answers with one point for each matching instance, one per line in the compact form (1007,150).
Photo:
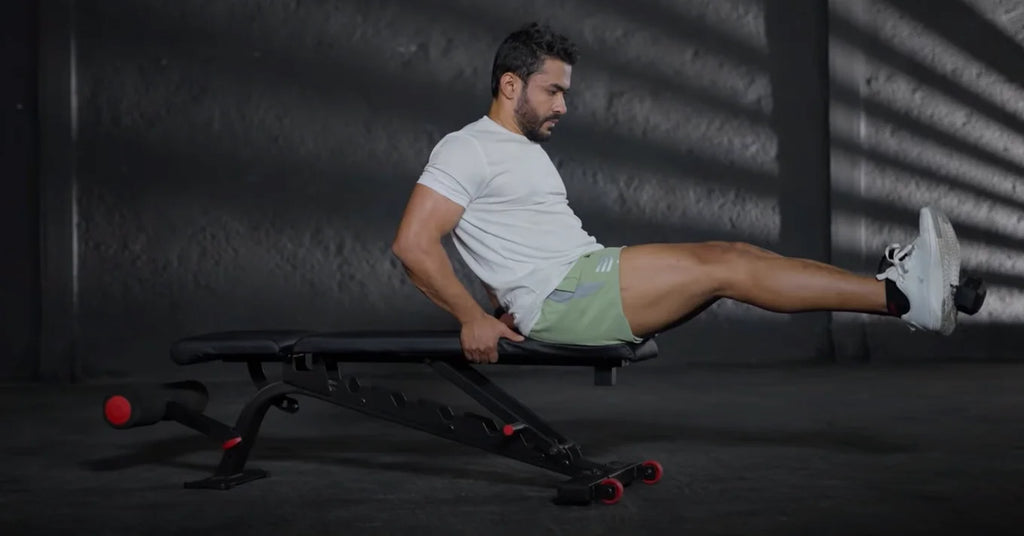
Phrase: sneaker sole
(948,250)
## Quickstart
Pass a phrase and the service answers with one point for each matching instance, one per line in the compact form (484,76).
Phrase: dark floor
(828,450)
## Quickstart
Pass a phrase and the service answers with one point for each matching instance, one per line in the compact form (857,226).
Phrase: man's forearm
(431,271)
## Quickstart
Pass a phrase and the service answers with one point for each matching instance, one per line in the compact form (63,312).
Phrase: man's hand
(507,319)
(479,338)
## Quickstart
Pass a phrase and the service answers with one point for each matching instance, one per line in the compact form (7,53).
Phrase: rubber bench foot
(606,485)
(227,482)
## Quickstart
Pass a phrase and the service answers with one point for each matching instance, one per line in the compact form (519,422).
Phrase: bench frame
(525,436)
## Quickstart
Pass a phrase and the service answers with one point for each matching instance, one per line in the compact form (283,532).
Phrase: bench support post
(231,471)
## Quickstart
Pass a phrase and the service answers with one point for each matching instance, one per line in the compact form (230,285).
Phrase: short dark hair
(523,52)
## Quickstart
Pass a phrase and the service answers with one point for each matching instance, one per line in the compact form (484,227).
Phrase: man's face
(541,102)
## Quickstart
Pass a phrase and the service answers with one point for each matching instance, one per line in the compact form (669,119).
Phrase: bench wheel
(610,490)
(650,472)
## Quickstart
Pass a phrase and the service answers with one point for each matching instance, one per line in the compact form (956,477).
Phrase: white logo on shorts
(605,265)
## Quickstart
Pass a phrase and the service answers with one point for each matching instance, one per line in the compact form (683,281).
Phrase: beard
(529,121)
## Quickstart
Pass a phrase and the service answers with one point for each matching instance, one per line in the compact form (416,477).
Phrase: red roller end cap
(232,442)
(508,430)
(653,472)
(117,410)
(616,488)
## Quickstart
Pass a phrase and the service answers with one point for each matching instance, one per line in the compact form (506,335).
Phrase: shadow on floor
(393,452)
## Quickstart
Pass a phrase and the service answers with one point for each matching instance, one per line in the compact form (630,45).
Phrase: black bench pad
(394,347)
(416,346)
(272,345)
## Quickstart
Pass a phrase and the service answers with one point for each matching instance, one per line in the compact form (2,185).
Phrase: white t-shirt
(517,234)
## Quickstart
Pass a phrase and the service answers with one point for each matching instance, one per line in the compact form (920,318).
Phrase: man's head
(531,74)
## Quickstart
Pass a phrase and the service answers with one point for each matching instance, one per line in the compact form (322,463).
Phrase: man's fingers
(480,355)
(513,335)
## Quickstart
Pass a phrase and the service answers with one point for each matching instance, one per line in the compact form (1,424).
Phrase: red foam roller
(117,410)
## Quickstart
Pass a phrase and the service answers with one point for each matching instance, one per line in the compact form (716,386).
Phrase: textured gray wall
(19,198)
(928,109)
(243,164)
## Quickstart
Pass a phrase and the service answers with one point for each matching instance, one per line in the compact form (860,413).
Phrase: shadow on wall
(926,102)
(233,149)
(965,28)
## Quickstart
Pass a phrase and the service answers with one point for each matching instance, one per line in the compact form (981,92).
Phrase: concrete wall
(927,109)
(243,164)
(19,215)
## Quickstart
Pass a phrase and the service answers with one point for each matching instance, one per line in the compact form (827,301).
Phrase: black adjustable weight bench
(311,367)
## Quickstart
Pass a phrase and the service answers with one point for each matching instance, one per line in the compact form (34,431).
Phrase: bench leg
(231,472)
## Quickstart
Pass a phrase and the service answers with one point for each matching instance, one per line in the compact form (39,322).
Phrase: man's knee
(728,265)
(721,253)
(743,248)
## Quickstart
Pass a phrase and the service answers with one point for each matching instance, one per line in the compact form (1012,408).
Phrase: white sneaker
(927,271)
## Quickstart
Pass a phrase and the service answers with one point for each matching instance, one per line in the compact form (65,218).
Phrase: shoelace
(897,255)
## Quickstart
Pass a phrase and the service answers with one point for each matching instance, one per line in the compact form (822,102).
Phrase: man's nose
(560,106)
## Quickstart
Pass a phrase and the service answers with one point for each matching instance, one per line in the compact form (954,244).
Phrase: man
(494,187)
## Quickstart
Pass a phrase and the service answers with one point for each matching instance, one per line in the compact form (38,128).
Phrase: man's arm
(428,217)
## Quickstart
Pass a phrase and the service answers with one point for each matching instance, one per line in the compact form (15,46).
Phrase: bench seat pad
(394,347)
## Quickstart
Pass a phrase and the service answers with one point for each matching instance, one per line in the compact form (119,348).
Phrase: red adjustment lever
(510,429)
(231,442)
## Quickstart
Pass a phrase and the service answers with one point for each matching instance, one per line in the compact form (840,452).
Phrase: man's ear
(508,84)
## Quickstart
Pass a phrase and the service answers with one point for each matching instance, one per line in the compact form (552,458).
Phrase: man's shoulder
(478,131)
(484,130)
(457,143)
(471,137)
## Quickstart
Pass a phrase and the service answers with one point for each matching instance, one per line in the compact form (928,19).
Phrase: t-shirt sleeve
(456,169)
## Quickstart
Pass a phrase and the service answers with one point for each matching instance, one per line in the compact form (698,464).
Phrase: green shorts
(586,307)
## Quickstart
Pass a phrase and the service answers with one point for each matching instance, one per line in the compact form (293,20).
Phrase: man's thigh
(663,283)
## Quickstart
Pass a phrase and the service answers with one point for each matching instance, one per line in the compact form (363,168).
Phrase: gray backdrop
(244,164)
